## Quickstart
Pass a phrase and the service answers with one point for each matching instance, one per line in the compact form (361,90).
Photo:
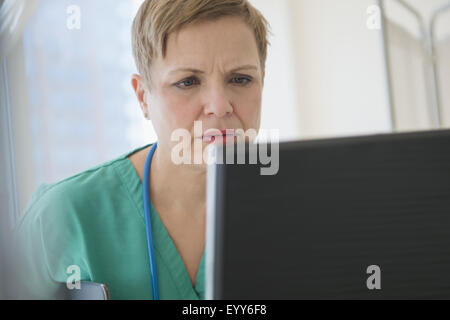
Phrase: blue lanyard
(148,225)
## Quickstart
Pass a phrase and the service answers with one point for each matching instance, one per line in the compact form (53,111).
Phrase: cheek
(178,111)
(249,108)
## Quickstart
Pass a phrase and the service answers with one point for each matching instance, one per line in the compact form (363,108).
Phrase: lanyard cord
(148,226)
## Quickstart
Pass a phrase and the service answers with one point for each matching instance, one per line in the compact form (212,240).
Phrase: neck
(181,189)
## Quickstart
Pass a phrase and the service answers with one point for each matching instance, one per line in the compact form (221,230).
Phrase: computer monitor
(344,218)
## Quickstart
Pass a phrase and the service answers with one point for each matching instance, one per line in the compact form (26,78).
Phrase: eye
(242,80)
(186,83)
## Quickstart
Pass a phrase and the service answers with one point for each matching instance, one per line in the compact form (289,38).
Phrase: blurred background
(334,68)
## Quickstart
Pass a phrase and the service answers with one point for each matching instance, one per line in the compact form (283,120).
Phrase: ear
(140,89)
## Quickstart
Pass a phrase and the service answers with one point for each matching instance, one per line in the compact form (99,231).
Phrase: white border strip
(211,176)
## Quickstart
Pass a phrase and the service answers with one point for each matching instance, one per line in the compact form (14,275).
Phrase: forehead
(227,41)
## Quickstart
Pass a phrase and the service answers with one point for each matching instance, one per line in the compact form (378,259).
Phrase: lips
(226,133)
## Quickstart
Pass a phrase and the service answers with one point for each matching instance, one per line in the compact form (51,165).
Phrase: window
(82,108)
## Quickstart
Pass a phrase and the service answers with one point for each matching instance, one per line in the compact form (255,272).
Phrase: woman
(199,61)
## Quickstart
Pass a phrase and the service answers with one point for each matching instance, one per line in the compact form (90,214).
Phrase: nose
(217,101)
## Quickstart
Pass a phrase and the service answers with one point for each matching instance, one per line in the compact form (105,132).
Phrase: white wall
(280,100)
(341,69)
(326,73)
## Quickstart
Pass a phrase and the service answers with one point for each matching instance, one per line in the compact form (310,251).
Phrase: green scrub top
(93,222)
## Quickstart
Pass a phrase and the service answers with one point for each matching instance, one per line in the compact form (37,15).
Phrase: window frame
(9,203)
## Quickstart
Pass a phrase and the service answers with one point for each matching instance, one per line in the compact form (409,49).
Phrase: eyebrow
(247,66)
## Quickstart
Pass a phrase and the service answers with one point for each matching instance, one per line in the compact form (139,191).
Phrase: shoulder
(61,219)
(70,192)
(65,200)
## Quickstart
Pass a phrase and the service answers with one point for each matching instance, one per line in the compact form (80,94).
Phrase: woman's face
(211,73)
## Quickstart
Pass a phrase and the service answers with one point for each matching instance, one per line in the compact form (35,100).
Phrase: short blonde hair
(156,19)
